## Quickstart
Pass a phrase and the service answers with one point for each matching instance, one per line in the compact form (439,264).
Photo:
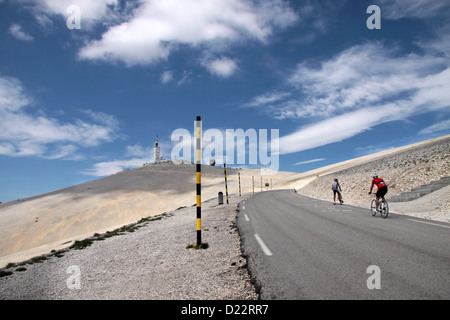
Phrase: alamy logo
(374,21)
(374,280)
(74,281)
(74,19)
(252,147)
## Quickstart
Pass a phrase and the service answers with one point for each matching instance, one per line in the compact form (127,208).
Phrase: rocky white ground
(402,170)
(150,263)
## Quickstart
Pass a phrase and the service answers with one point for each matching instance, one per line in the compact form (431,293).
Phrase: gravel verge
(147,260)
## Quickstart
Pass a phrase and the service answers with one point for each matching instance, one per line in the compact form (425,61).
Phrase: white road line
(246,217)
(243,207)
(263,246)
(434,224)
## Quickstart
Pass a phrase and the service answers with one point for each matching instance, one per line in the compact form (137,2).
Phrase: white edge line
(246,217)
(434,224)
(263,246)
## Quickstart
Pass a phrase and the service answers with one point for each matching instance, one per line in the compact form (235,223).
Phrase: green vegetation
(196,247)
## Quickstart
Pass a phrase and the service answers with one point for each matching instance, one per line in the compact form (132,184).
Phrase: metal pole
(239,176)
(199,180)
(253,183)
(261,184)
(225,173)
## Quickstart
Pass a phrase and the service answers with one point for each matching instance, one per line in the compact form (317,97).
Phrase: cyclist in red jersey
(382,189)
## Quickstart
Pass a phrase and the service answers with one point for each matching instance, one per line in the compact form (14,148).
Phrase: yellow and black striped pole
(199,181)
(239,176)
(225,173)
(253,183)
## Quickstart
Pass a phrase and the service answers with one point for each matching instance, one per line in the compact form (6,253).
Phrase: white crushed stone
(150,263)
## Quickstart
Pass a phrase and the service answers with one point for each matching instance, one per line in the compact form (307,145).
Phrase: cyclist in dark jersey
(336,187)
(382,189)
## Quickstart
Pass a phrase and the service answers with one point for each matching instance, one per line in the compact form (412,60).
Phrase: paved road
(301,248)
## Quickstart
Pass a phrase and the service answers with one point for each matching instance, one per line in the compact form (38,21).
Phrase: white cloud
(309,161)
(139,151)
(98,10)
(23,133)
(438,45)
(16,31)
(157,27)
(267,98)
(107,168)
(144,32)
(356,90)
(398,9)
(135,156)
(437,127)
(166,77)
(185,78)
(364,75)
(332,130)
(223,67)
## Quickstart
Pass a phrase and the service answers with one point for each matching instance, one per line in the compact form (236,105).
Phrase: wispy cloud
(356,90)
(398,9)
(223,67)
(16,31)
(134,157)
(107,168)
(92,12)
(437,127)
(308,161)
(267,99)
(166,77)
(332,130)
(24,133)
(139,151)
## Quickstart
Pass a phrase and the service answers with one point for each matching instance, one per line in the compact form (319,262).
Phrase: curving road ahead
(302,248)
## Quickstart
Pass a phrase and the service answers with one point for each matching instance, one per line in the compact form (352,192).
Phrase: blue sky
(78,104)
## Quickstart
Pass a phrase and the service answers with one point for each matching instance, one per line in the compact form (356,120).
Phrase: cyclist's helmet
(375,176)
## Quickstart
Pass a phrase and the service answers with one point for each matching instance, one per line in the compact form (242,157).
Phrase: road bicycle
(383,207)
(341,201)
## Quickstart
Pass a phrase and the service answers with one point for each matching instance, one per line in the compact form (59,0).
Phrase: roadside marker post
(239,177)
(199,180)
(226,184)
(253,183)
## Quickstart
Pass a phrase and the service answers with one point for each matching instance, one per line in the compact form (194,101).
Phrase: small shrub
(196,247)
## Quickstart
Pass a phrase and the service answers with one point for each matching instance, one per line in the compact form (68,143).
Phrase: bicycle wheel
(384,209)
(373,208)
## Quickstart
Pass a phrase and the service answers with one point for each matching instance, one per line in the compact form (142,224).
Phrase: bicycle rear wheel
(373,207)
(384,209)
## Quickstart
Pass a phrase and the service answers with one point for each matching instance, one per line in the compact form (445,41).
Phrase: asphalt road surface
(302,248)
